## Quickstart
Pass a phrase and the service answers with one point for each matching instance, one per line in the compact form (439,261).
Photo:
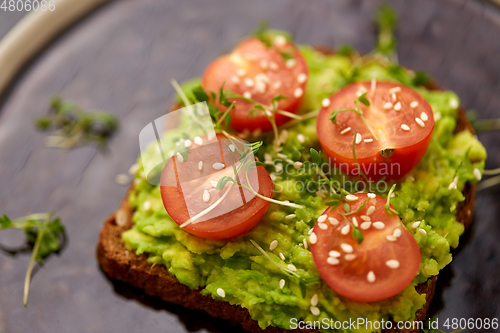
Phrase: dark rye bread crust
(119,263)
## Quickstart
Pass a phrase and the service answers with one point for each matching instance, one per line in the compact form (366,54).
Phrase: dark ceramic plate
(122,57)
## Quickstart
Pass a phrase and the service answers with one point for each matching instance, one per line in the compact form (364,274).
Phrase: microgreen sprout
(388,207)
(363,100)
(44,232)
(301,281)
(360,171)
(75,126)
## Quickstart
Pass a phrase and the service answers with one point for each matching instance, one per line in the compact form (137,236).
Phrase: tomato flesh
(349,276)
(403,130)
(259,72)
(183,185)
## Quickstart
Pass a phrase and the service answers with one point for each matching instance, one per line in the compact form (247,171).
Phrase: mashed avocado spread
(251,280)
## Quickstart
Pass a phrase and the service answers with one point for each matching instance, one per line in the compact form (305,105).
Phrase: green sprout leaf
(357,235)
(315,156)
(200,94)
(362,99)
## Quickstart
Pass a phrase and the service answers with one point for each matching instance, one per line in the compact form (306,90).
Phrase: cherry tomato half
(401,119)
(188,188)
(385,262)
(260,73)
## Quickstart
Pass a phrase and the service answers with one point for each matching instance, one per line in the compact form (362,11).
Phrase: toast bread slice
(119,263)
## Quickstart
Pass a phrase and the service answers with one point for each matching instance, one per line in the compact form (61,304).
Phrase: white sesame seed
(424,116)
(395,90)
(241,71)
(322,226)
(420,122)
(298,92)
(345,130)
(388,106)
(358,138)
(454,103)
(247,94)
(423,232)
(391,238)
(313,238)
(282,283)
(351,197)
(333,221)
(379,225)
(273,66)
(334,254)
(332,261)
(273,245)
(477,173)
(282,257)
(305,243)
(314,300)
(279,40)
(273,177)
(393,97)
(232,148)
(206,196)
(297,165)
(413,104)
(416,224)
(350,257)
(397,106)
(200,165)
(290,62)
(437,116)
(146,205)
(122,179)
(221,292)
(188,143)
(179,157)
(198,140)
(213,183)
(346,248)
(301,78)
(268,157)
(301,138)
(291,267)
(249,82)
(260,87)
(278,167)
(263,64)
(368,140)
(322,218)
(452,186)
(370,210)
(405,127)
(218,166)
(371,277)
(397,233)
(315,311)
(261,77)
(325,102)
(235,79)
(392,263)
(371,195)
(290,216)
(355,222)
(365,225)
(345,229)
(282,156)
(365,218)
